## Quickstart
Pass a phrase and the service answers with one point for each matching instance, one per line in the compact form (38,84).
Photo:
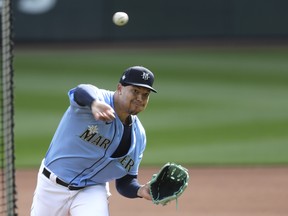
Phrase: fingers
(102,111)
(105,115)
(144,192)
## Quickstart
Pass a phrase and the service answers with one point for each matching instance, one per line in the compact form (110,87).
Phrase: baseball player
(99,139)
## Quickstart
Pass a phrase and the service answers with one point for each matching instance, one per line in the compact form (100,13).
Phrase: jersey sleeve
(93,91)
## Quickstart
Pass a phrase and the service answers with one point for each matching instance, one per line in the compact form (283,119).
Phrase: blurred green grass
(214,106)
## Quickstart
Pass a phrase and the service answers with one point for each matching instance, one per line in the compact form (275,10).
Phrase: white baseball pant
(52,199)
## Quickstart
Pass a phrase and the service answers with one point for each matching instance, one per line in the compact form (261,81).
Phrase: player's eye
(135,91)
(145,95)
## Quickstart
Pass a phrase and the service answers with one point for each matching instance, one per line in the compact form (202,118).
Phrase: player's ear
(119,88)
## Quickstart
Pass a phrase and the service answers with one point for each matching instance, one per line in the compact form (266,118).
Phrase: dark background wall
(91,20)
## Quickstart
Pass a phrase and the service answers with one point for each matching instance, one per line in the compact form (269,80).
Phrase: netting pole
(8,107)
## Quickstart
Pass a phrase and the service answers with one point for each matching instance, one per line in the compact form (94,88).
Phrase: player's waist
(57,180)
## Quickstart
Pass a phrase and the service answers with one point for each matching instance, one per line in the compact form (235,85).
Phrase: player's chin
(136,110)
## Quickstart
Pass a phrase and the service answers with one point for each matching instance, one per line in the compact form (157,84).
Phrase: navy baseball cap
(138,76)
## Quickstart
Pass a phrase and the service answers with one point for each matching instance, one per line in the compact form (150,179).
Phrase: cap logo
(145,76)
(123,77)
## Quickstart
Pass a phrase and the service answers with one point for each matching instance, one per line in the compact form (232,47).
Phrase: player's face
(134,99)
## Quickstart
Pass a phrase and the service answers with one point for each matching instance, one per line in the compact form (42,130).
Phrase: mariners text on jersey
(92,136)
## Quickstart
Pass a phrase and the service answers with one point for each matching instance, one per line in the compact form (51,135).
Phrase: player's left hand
(144,192)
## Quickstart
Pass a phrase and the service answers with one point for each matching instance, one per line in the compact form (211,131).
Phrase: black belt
(47,173)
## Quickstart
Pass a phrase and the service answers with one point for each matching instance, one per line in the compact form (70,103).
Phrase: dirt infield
(211,192)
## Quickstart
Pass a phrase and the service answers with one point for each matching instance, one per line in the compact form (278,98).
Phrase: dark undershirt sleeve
(128,186)
(82,97)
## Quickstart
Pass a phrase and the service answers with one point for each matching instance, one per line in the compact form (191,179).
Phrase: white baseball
(120,18)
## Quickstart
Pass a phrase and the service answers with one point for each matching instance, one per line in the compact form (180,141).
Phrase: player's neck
(123,116)
(126,120)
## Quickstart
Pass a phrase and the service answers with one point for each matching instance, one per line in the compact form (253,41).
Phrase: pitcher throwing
(99,139)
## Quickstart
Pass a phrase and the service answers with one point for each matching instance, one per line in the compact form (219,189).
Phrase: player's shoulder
(137,123)
(96,90)
(87,86)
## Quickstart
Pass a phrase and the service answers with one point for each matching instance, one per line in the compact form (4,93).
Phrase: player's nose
(138,97)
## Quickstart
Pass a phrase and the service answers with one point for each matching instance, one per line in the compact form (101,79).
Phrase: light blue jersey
(80,151)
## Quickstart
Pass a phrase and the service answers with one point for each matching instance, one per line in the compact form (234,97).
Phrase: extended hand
(102,111)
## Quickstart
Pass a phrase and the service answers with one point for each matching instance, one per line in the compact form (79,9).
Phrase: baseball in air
(120,18)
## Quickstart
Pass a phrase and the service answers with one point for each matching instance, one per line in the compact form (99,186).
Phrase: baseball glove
(168,184)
